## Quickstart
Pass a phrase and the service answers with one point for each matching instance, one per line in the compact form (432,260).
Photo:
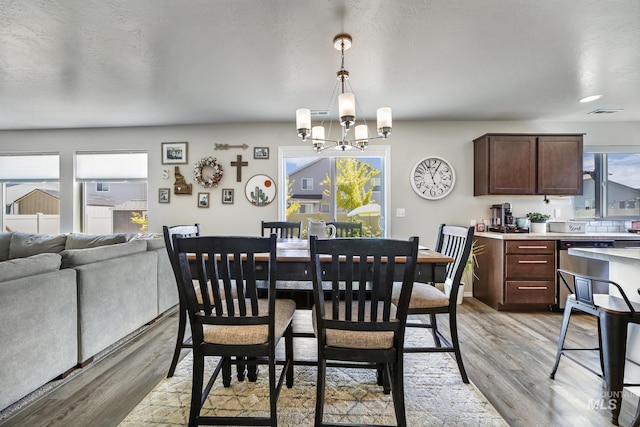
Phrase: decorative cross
(239,164)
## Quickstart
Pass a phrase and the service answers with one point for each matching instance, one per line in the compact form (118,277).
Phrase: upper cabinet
(527,164)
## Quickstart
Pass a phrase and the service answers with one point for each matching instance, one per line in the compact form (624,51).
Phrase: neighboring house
(306,186)
(622,200)
(40,200)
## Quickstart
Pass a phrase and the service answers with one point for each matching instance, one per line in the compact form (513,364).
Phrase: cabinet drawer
(530,267)
(530,291)
(530,246)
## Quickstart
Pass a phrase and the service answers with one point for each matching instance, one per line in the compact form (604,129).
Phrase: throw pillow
(84,241)
(26,244)
(24,267)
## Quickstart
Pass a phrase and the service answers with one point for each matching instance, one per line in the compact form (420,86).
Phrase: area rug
(434,394)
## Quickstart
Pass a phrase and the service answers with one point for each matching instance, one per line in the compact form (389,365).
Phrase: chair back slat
(226,276)
(283,229)
(362,274)
(455,242)
(347,229)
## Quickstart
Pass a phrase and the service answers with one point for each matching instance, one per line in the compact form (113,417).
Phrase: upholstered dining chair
(168,232)
(427,299)
(347,229)
(283,229)
(356,323)
(230,320)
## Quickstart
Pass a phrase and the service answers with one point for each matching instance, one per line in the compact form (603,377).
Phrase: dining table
(294,269)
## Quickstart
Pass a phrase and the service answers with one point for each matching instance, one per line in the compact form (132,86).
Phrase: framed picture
(261,152)
(163,195)
(174,153)
(227,196)
(203,200)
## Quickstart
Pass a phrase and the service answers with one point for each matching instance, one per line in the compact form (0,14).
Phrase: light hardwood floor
(508,356)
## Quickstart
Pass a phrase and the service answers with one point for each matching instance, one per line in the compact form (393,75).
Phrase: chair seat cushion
(423,295)
(253,334)
(355,339)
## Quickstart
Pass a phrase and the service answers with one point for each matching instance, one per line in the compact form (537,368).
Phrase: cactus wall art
(260,190)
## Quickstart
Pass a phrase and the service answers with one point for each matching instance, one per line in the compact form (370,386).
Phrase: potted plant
(538,222)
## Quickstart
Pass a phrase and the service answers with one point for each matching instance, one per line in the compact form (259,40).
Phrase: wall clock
(433,178)
(260,190)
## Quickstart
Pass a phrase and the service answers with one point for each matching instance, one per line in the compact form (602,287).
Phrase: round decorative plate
(260,190)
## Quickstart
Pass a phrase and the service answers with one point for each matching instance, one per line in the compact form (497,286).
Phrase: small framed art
(261,152)
(203,200)
(227,196)
(163,195)
(174,153)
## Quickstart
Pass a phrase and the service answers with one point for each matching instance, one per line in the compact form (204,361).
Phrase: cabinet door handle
(532,262)
(532,247)
(535,288)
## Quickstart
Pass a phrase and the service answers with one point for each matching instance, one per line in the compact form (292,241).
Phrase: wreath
(208,180)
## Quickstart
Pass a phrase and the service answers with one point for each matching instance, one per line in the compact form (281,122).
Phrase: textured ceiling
(102,63)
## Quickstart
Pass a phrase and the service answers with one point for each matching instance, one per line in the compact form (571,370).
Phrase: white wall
(410,142)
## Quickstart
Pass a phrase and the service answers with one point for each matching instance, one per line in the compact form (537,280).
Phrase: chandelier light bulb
(384,121)
(303,122)
(362,133)
(347,108)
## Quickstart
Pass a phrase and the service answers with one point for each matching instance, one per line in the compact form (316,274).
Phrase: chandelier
(347,113)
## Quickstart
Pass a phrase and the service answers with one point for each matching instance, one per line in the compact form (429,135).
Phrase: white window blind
(111,166)
(29,167)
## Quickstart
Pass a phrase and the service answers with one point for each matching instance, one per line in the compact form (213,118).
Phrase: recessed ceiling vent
(605,111)
(320,113)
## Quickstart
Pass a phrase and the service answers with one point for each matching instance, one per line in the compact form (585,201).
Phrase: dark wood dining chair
(347,229)
(230,320)
(426,299)
(283,229)
(357,324)
(181,342)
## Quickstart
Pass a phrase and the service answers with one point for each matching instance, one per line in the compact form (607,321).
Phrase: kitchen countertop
(624,255)
(558,236)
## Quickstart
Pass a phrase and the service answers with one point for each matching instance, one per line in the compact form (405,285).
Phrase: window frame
(381,151)
(601,154)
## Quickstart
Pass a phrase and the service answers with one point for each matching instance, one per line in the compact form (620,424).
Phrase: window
(611,184)
(331,185)
(29,188)
(102,186)
(307,183)
(114,191)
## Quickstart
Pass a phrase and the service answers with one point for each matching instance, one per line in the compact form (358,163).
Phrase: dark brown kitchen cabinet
(527,164)
(516,274)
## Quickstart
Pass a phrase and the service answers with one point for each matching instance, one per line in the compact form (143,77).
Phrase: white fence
(36,223)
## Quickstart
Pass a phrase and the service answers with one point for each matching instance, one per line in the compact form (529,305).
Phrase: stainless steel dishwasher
(590,267)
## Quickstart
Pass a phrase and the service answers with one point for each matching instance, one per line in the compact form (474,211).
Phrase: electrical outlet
(557,213)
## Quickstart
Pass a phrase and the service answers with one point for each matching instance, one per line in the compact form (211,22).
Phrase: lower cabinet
(516,274)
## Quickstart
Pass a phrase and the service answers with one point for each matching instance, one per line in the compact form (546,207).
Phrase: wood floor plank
(508,356)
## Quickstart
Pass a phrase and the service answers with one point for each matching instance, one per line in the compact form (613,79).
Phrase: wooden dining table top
(297,250)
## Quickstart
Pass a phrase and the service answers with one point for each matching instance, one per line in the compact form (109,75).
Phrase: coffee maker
(502,219)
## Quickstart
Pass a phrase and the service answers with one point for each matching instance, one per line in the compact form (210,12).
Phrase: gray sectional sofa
(65,298)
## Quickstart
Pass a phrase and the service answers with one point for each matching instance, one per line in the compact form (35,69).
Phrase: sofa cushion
(23,267)
(84,241)
(5,242)
(77,257)
(26,244)
(155,244)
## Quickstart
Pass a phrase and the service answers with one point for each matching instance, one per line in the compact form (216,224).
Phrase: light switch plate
(401,213)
